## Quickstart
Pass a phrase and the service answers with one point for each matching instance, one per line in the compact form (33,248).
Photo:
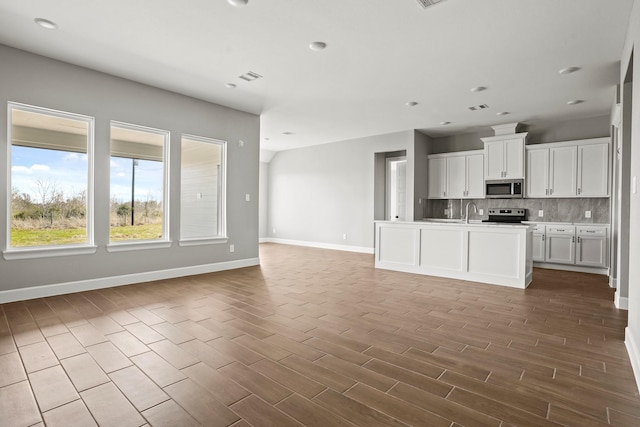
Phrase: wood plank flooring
(315,337)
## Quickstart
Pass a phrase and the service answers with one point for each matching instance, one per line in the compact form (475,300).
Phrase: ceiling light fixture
(250,76)
(317,46)
(231,85)
(478,88)
(569,70)
(288,133)
(502,113)
(478,107)
(445,123)
(238,3)
(411,104)
(45,23)
(575,102)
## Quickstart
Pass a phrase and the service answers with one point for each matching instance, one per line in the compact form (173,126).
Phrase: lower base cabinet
(582,245)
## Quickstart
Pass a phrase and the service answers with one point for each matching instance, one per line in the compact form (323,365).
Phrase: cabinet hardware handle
(550,191)
(590,231)
(573,239)
(543,237)
(546,192)
(560,229)
(578,239)
(579,191)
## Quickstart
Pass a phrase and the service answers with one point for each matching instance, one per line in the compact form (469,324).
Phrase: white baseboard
(346,248)
(569,267)
(12,295)
(634,353)
(613,282)
(621,303)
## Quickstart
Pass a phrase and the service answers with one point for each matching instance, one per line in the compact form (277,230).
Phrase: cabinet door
(538,172)
(456,177)
(538,247)
(593,170)
(494,160)
(437,178)
(475,176)
(514,158)
(560,245)
(591,246)
(563,171)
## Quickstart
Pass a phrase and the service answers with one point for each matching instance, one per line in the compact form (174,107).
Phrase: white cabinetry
(582,245)
(551,172)
(593,169)
(456,175)
(591,246)
(560,244)
(568,169)
(539,247)
(504,156)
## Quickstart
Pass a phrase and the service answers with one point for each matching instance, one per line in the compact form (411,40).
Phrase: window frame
(222,236)
(28,252)
(165,241)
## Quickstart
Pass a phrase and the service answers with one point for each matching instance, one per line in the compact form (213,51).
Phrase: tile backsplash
(554,210)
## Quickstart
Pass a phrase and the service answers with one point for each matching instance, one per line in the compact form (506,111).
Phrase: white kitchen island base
(478,252)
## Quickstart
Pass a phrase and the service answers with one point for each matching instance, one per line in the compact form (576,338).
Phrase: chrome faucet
(475,210)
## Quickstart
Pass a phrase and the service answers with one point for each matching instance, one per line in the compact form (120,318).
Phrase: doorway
(396,188)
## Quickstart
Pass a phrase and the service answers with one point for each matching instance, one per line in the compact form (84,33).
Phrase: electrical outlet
(232,248)
(273,231)
(541,213)
(587,214)
(344,236)
(241,143)
(480,211)
(446,212)
(247,197)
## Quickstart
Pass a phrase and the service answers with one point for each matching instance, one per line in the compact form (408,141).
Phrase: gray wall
(40,81)
(539,133)
(319,193)
(633,330)
(263,200)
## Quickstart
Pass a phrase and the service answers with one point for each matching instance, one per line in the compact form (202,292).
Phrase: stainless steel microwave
(504,189)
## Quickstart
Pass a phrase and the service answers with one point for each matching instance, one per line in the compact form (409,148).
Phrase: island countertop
(494,253)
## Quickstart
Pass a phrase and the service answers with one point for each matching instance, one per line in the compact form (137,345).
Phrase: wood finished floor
(319,338)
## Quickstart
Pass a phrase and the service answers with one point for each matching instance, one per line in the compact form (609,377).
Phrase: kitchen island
(499,254)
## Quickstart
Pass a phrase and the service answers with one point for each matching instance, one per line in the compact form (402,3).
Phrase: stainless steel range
(506,215)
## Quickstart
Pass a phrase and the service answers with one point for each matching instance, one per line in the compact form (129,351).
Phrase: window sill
(203,241)
(47,251)
(138,245)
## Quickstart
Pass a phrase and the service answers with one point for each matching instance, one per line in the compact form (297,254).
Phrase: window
(139,176)
(202,190)
(50,179)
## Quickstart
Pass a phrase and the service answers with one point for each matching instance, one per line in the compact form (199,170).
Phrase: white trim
(128,279)
(203,241)
(622,303)
(613,282)
(570,267)
(48,251)
(634,354)
(319,245)
(135,245)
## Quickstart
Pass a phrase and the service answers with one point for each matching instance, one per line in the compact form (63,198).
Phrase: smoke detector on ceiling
(426,3)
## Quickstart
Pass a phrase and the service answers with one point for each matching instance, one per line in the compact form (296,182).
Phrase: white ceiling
(380,55)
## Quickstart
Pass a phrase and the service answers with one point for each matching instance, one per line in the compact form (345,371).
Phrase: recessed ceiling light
(445,123)
(267,139)
(288,133)
(568,70)
(317,45)
(411,104)
(575,102)
(238,3)
(502,113)
(231,85)
(45,23)
(478,88)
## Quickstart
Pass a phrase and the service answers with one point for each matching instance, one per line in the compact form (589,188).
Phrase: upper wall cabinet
(568,169)
(504,156)
(456,175)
